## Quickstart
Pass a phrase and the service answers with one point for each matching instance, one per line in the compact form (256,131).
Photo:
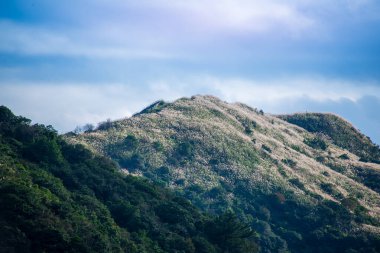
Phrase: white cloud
(173,29)
(35,40)
(67,105)
(238,15)
(318,89)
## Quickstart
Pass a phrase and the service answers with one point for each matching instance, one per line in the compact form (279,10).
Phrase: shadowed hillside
(57,197)
(299,189)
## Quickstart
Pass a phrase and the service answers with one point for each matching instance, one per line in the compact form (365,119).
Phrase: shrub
(131,142)
(291,163)
(337,167)
(282,171)
(278,198)
(231,235)
(316,142)
(320,159)
(158,146)
(344,157)
(297,183)
(328,188)
(105,125)
(248,130)
(133,163)
(154,108)
(185,149)
(43,149)
(350,203)
(266,148)
(325,173)
(296,148)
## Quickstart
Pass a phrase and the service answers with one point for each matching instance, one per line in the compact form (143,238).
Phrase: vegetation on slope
(342,133)
(282,180)
(57,197)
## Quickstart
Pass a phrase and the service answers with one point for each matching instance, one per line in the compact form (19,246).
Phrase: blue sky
(68,63)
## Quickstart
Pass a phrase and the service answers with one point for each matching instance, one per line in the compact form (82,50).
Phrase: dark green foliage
(308,229)
(289,162)
(203,246)
(325,173)
(154,108)
(351,203)
(344,157)
(163,171)
(43,149)
(182,153)
(296,182)
(133,163)
(320,159)
(185,149)
(282,171)
(158,146)
(335,166)
(216,192)
(170,213)
(249,125)
(340,131)
(57,197)
(88,128)
(298,148)
(131,142)
(328,188)
(316,143)
(266,148)
(369,177)
(105,125)
(248,130)
(180,181)
(231,235)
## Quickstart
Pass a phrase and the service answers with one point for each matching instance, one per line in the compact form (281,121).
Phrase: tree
(231,235)
(105,125)
(88,128)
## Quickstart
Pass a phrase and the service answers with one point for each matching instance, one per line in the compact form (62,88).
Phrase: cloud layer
(68,105)
(164,28)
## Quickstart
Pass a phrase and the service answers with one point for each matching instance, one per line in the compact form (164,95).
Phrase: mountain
(58,197)
(302,189)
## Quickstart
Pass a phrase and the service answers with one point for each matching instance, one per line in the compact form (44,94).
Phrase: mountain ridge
(222,155)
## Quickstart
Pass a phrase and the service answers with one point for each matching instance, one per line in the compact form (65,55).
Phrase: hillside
(300,190)
(341,132)
(57,197)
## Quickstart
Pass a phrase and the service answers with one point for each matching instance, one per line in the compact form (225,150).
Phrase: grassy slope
(298,195)
(342,133)
(346,136)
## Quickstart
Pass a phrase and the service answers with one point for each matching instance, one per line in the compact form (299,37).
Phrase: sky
(68,63)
